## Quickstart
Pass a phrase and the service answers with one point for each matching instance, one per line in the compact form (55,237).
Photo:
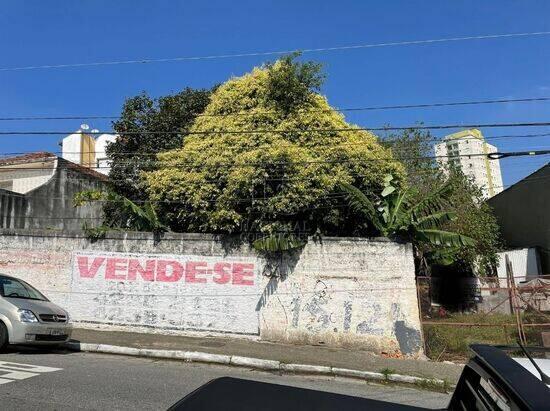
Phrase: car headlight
(27,316)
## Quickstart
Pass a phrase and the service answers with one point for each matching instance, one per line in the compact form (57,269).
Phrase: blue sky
(56,32)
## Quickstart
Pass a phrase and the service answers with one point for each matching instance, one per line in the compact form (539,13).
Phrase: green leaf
(387,191)
(435,220)
(443,256)
(278,242)
(434,201)
(398,215)
(444,238)
(136,218)
(360,203)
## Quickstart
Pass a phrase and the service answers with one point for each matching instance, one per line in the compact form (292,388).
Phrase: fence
(456,312)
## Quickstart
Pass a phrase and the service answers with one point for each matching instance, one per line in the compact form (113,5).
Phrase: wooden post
(514,300)
(506,337)
(509,273)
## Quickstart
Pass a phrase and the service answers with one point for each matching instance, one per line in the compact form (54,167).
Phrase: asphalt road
(108,382)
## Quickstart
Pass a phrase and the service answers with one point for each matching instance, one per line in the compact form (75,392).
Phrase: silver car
(28,317)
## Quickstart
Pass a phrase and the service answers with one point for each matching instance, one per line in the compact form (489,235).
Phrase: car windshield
(13,288)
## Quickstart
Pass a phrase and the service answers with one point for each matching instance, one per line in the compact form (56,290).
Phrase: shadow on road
(32,350)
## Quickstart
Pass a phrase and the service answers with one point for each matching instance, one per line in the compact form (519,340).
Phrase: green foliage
(474,218)
(414,149)
(387,372)
(398,215)
(362,205)
(95,233)
(136,218)
(290,85)
(268,182)
(131,154)
(452,342)
(278,243)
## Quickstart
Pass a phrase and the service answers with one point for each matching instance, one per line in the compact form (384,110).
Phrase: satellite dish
(84,126)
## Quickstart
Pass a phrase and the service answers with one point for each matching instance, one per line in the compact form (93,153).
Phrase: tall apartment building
(466,150)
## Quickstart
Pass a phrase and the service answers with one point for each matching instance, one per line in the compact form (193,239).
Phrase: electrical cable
(350,109)
(276,52)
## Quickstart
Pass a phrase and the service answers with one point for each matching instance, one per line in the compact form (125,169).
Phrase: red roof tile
(84,170)
(46,156)
(28,158)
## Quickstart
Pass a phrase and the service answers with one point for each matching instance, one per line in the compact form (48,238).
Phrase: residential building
(523,217)
(84,149)
(467,150)
(37,191)
(25,173)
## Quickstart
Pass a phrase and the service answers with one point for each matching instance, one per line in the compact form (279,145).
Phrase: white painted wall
(339,292)
(101,144)
(71,147)
(525,263)
(347,293)
(26,177)
(174,292)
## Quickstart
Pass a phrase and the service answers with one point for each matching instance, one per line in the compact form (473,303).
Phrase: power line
(336,196)
(380,140)
(301,131)
(276,52)
(168,164)
(333,195)
(446,104)
(349,109)
(34,118)
(498,156)
(272,178)
(282,214)
(330,196)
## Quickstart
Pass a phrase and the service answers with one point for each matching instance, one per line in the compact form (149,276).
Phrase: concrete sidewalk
(289,354)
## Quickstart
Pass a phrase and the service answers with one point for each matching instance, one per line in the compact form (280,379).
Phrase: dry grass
(451,342)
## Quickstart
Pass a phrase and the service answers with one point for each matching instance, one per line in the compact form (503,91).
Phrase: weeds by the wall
(451,342)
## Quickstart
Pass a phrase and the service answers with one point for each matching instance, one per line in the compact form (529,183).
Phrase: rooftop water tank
(101,144)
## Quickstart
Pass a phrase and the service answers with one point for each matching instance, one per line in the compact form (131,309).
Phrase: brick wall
(344,292)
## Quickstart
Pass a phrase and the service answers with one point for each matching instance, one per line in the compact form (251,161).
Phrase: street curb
(258,364)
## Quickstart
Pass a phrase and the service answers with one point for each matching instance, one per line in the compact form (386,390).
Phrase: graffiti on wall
(166,291)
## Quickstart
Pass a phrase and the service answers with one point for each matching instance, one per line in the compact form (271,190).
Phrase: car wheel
(3,335)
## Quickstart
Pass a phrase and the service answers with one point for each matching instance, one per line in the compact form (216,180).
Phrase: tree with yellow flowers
(267,156)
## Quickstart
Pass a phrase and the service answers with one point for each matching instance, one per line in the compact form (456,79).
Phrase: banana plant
(278,243)
(396,215)
(132,216)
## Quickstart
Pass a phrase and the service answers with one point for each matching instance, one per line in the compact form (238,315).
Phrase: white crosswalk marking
(28,367)
(12,371)
(15,375)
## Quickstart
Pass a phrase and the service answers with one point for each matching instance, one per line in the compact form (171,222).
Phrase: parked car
(491,380)
(28,317)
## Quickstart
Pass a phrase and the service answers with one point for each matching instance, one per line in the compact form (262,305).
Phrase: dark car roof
(235,394)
